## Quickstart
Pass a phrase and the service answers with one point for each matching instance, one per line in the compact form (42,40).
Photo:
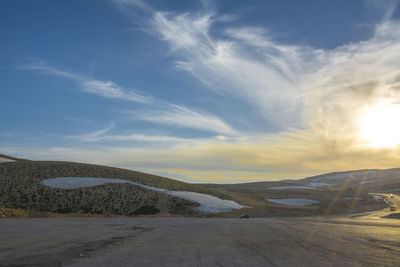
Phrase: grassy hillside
(20,188)
(344,192)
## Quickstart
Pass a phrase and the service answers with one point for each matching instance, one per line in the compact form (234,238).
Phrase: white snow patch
(340,176)
(316,184)
(208,203)
(333,177)
(5,160)
(292,187)
(293,201)
(368,182)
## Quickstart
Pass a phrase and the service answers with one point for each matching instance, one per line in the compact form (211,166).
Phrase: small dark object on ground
(392,216)
(392,208)
(146,210)
(244,216)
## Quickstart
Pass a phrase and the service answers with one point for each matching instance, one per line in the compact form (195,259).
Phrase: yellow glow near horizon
(380,125)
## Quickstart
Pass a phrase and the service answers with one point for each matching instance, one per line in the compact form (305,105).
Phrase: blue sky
(199,90)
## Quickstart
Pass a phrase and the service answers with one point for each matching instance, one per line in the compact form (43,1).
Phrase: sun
(380,125)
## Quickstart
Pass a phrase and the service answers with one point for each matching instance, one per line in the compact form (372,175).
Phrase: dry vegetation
(332,200)
(20,188)
(21,194)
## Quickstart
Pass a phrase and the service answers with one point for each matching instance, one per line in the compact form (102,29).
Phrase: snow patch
(207,203)
(316,184)
(292,187)
(348,175)
(367,182)
(293,201)
(311,186)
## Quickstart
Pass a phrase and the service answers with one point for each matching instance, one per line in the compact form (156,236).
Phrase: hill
(21,187)
(34,186)
(335,193)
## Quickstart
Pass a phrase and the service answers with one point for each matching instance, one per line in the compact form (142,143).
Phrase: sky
(203,91)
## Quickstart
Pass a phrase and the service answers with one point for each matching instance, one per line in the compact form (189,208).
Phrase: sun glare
(380,125)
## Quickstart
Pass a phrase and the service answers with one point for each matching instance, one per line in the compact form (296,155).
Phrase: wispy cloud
(267,79)
(95,136)
(181,116)
(41,66)
(105,135)
(163,112)
(133,137)
(106,89)
(133,3)
(293,86)
(109,89)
